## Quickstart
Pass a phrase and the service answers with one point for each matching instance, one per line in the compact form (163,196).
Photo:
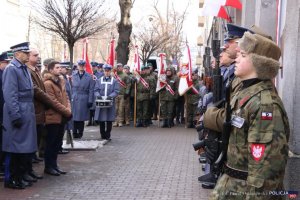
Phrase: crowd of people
(39,107)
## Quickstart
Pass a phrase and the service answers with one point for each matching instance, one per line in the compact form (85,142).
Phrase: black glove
(126,96)
(90,105)
(17,123)
(109,98)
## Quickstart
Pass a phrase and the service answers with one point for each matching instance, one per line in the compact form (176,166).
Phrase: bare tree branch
(72,20)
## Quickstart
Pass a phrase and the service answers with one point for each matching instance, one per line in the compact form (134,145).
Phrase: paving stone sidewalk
(139,163)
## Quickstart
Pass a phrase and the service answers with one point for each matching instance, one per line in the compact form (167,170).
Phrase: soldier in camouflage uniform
(127,102)
(152,84)
(143,100)
(192,98)
(167,99)
(258,144)
(123,97)
(154,97)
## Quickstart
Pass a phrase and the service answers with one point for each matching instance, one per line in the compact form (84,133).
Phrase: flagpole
(158,109)
(134,107)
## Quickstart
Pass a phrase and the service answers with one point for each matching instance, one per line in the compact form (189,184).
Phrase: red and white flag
(185,81)
(161,77)
(216,8)
(137,68)
(85,56)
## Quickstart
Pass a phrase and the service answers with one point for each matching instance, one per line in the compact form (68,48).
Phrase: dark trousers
(92,120)
(41,138)
(105,129)
(180,108)
(78,127)
(2,155)
(16,165)
(53,144)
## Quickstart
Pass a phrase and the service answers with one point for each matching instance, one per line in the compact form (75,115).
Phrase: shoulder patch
(244,100)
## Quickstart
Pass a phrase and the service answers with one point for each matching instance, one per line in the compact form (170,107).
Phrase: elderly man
(19,135)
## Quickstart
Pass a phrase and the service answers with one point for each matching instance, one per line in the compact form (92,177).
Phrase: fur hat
(264,54)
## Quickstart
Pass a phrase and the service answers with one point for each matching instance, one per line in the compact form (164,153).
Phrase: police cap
(24,47)
(81,62)
(4,57)
(234,31)
(107,67)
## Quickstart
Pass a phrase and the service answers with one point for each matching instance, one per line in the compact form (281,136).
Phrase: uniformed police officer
(82,98)
(19,135)
(4,60)
(106,88)
(258,144)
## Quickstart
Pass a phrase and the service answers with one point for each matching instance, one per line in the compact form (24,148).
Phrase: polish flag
(111,58)
(137,68)
(85,57)
(216,8)
(185,81)
(162,79)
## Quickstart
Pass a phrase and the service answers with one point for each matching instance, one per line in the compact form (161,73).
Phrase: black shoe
(39,159)
(33,160)
(35,175)
(75,135)
(209,178)
(26,183)
(89,124)
(208,185)
(14,185)
(63,151)
(29,178)
(51,172)
(60,171)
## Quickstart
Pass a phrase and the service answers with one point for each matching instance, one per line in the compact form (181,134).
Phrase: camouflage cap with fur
(264,54)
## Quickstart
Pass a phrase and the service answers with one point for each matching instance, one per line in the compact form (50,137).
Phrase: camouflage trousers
(122,114)
(167,109)
(191,111)
(143,109)
(229,188)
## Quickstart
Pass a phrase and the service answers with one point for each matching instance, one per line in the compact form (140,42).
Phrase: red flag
(111,58)
(85,57)
(137,68)
(234,3)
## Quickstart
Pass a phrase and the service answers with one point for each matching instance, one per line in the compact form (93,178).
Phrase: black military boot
(190,125)
(208,180)
(165,123)
(145,123)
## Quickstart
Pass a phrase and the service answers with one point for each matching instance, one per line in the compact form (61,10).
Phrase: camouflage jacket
(126,79)
(143,93)
(259,145)
(165,95)
(192,97)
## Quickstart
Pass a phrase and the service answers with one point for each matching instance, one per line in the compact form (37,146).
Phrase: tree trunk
(71,50)
(124,29)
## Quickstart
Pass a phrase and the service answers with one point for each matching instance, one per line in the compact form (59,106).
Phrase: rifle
(217,166)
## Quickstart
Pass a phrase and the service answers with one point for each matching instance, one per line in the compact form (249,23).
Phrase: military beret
(47,61)
(126,67)
(24,47)
(119,65)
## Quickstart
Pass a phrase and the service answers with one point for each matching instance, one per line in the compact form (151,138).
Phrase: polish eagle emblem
(257,151)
